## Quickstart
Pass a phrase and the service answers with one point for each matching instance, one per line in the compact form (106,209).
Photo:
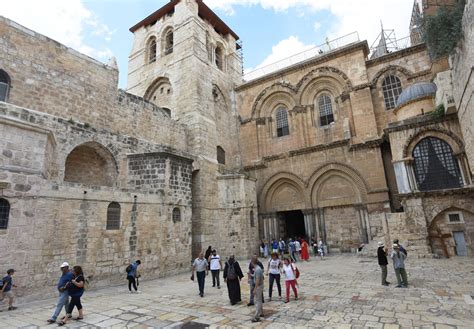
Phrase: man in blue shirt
(6,290)
(132,275)
(63,299)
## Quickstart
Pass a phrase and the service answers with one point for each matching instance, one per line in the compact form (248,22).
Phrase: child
(6,289)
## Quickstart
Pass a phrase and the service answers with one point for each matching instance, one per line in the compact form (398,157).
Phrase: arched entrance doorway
(292,224)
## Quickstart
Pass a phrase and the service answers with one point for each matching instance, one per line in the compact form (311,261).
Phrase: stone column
(316,223)
(308,223)
(362,224)
(367,223)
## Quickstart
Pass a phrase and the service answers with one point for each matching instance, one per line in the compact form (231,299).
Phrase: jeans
(63,300)
(201,278)
(384,273)
(215,277)
(274,277)
(132,281)
(291,283)
(252,286)
(293,256)
(401,275)
(259,302)
(75,301)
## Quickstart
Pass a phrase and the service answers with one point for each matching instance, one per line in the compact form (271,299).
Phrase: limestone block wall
(463,80)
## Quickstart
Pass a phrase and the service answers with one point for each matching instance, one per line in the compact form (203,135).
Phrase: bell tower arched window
(4,86)
(219,56)
(151,49)
(169,42)
(281,117)
(435,166)
(326,115)
(392,88)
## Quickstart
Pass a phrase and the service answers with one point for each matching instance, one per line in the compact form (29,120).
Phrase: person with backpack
(273,270)
(232,276)
(398,258)
(63,300)
(291,274)
(402,249)
(75,289)
(6,289)
(132,275)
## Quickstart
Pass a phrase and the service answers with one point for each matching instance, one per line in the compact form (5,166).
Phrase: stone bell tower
(186,59)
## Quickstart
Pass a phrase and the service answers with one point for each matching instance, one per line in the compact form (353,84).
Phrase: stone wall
(463,80)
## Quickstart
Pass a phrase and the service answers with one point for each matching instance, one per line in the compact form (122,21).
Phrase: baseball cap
(65,264)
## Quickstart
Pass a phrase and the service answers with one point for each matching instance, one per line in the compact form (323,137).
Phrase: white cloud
(363,16)
(63,21)
(316,26)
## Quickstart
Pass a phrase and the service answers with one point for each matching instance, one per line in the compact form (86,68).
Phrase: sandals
(61,323)
(79,318)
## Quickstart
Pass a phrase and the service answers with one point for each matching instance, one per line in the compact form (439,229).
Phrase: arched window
(392,88)
(326,115)
(220,155)
(151,50)
(281,117)
(4,214)
(252,220)
(176,215)
(219,56)
(4,86)
(113,216)
(169,42)
(435,166)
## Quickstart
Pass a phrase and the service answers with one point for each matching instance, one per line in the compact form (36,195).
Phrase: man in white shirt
(215,266)
(200,267)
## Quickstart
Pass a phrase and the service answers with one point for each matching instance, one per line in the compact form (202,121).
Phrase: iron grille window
(169,43)
(176,215)
(152,50)
(4,214)
(454,218)
(392,88)
(113,216)
(220,155)
(435,166)
(282,122)
(4,86)
(325,110)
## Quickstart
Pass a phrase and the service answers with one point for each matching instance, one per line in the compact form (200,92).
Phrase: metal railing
(390,45)
(316,51)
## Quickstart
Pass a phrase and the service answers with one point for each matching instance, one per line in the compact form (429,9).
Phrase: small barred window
(113,216)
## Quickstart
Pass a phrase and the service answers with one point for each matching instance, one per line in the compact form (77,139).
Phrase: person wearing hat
(63,300)
(383,262)
(398,258)
(6,289)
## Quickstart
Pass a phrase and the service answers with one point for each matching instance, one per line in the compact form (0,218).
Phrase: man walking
(251,278)
(132,275)
(398,258)
(258,290)
(6,289)
(215,265)
(63,300)
(292,248)
(383,262)
(282,247)
(200,267)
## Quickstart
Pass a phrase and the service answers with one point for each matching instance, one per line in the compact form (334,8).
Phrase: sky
(270,30)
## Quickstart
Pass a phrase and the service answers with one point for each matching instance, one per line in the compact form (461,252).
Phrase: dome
(416,91)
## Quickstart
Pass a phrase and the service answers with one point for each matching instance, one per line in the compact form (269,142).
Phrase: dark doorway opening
(293,224)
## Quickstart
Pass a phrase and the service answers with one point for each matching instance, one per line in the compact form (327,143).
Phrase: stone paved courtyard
(342,291)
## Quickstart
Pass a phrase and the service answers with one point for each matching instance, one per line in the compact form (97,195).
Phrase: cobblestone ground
(341,291)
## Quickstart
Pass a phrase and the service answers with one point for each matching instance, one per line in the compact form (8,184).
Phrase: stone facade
(191,155)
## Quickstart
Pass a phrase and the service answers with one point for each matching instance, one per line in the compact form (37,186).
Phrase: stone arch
(283,191)
(167,40)
(391,70)
(268,93)
(330,79)
(275,99)
(347,186)
(446,135)
(151,49)
(160,92)
(219,96)
(91,163)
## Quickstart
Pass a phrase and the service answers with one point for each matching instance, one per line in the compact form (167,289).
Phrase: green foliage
(443,31)
(71,121)
(438,111)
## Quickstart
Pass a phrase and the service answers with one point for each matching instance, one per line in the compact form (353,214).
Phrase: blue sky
(270,29)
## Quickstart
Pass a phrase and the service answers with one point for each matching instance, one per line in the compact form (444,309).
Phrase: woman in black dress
(232,275)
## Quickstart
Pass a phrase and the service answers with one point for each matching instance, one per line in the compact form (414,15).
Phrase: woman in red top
(304,250)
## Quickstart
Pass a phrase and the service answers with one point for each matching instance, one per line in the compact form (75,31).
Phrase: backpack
(128,269)
(231,272)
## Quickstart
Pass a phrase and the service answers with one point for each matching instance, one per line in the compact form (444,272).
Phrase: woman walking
(232,275)
(304,250)
(274,271)
(75,288)
(262,248)
(265,250)
(290,278)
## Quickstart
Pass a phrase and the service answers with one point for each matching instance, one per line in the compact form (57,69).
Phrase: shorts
(8,294)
